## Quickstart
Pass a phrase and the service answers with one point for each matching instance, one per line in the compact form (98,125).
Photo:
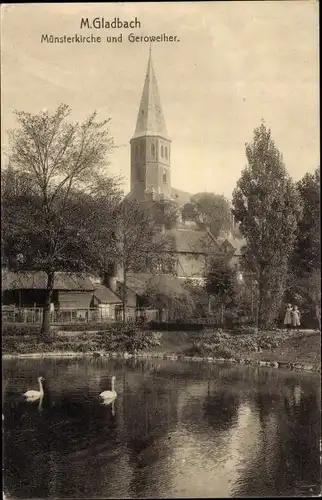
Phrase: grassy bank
(299,350)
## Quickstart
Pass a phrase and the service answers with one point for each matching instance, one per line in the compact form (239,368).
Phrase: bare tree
(141,246)
(53,224)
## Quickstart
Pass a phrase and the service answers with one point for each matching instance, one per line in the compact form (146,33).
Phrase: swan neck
(113,386)
(41,389)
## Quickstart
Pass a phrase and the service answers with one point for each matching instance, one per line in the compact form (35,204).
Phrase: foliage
(267,206)
(165,213)
(305,262)
(221,280)
(210,210)
(127,338)
(140,246)
(186,301)
(12,330)
(221,344)
(69,202)
(306,257)
(221,284)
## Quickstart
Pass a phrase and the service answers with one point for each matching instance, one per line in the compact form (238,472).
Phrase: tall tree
(210,210)
(305,275)
(307,252)
(267,207)
(53,224)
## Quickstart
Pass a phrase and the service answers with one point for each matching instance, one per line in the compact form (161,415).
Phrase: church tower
(150,145)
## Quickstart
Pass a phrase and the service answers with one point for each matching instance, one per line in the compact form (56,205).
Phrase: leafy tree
(56,223)
(140,245)
(307,252)
(305,268)
(166,213)
(182,302)
(267,207)
(210,210)
(221,282)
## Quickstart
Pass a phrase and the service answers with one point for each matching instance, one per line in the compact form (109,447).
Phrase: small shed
(106,301)
(27,289)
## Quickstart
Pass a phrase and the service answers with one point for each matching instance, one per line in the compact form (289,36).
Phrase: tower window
(141,149)
(161,150)
(166,152)
(152,149)
(164,177)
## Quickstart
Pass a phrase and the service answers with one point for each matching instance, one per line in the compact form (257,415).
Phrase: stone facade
(150,144)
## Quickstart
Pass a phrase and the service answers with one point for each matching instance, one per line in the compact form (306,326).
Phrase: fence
(74,315)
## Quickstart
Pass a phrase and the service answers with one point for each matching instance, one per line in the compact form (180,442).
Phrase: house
(191,250)
(73,295)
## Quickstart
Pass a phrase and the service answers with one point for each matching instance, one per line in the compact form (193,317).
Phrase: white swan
(108,396)
(35,395)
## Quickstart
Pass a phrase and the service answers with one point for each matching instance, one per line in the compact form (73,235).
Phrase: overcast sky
(235,63)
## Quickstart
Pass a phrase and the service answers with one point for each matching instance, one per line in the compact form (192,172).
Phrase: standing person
(296,317)
(288,316)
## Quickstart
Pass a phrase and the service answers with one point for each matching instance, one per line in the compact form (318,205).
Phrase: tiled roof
(191,240)
(106,296)
(38,280)
(140,282)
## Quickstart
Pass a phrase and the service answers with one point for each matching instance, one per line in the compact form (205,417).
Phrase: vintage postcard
(160,244)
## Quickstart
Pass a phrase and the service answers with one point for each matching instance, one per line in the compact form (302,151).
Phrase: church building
(151,181)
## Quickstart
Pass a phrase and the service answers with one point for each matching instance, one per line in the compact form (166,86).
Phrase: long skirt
(288,318)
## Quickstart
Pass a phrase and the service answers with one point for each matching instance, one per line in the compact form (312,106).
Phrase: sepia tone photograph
(160,250)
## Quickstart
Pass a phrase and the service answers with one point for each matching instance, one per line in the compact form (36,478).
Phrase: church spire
(150,120)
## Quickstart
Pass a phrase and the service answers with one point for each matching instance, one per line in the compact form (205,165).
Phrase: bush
(85,327)
(20,330)
(127,338)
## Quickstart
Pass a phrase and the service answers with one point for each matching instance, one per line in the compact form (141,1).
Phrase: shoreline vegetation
(293,350)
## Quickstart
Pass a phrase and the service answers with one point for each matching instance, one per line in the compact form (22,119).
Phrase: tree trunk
(45,327)
(209,304)
(318,316)
(124,297)
(261,317)
(222,313)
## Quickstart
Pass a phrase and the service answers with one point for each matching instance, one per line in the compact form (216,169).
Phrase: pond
(176,429)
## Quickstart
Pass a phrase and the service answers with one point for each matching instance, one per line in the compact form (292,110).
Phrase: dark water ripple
(175,431)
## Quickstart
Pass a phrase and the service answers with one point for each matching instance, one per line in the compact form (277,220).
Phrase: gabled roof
(233,245)
(105,296)
(192,241)
(150,120)
(38,280)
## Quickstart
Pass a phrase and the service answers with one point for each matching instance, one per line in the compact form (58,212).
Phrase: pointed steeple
(150,120)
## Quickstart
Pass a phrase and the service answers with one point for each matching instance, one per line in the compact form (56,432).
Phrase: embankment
(294,350)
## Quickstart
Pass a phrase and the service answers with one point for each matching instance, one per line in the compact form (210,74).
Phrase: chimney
(110,277)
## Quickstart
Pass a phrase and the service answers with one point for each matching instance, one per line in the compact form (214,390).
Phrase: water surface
(175,430)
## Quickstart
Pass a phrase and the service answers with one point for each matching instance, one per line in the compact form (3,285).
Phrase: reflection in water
(174,430)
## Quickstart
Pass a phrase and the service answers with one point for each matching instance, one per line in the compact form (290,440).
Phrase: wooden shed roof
(25,280)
